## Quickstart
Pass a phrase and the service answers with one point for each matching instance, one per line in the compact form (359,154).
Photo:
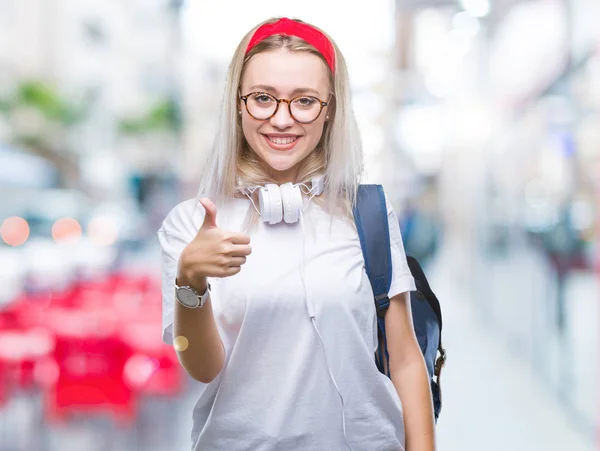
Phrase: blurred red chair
(154,368)
(102,347)
(90,359)
(20,351)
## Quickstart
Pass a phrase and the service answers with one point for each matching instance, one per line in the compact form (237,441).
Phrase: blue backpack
(371,219)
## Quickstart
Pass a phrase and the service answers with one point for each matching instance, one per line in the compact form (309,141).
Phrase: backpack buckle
(439,362)
(382,302)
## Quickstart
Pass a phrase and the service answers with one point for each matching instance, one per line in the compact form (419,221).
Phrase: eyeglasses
(303,109)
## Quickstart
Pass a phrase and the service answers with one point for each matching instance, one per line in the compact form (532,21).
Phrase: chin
(281,166)
(282,163)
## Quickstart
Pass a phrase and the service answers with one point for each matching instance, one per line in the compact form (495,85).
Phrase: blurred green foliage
(163,116)
(44,98)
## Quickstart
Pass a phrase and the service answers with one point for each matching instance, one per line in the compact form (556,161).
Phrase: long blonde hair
(338,154)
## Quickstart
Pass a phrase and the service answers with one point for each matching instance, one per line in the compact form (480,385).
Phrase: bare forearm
(412,384)
(197,340)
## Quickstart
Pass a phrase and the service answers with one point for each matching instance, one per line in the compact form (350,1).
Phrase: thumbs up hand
(210,214)
(213,252)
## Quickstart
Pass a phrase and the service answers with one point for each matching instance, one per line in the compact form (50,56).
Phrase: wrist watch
(190,298)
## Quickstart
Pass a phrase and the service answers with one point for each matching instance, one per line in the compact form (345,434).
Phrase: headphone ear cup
(264,204)
(318,185)
(269,199)
(292,202)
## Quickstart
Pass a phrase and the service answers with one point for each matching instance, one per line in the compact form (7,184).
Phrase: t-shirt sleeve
(402,279)
(177,230)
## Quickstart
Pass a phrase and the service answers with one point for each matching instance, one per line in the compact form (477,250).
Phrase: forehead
(286,71)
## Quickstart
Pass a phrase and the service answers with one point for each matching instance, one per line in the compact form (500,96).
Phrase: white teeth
(286,140)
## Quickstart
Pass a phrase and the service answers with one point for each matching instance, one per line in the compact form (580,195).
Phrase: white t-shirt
(277,390)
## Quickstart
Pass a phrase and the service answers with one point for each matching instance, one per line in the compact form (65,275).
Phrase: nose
(282,118)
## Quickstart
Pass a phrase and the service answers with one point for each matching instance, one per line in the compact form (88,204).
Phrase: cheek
(248,129)
(316,132)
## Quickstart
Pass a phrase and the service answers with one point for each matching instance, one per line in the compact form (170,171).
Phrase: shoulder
(389,206)
(184,219)
(393,221)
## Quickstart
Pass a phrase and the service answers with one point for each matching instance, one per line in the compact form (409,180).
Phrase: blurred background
(480,117)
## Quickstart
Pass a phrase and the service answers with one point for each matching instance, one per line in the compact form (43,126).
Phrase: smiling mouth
(282,140)
(282,143)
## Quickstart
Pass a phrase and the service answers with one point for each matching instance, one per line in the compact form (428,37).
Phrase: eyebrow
(294,92)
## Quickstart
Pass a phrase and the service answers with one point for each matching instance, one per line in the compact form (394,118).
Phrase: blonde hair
(338,155)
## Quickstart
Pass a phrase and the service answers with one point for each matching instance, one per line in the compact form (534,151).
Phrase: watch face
(187,298)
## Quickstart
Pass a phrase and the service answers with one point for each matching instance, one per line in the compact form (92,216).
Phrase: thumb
(210,215)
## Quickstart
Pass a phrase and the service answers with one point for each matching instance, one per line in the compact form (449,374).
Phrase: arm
(212,252)
(409,375)
(201,353)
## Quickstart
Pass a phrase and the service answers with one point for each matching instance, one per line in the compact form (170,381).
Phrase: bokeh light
(66,229)
(180,343)
(14,231)
(102,231)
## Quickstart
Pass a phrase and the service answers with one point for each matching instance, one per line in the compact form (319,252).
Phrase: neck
(281,177)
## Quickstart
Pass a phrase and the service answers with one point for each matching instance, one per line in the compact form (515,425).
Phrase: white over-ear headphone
(283,202)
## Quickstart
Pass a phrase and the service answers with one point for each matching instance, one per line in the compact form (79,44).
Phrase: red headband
(288,27)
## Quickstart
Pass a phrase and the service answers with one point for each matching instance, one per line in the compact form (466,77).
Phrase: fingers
(231,271)
(233,267)
(239,238)
(210,215)
(239,251)
(237,261)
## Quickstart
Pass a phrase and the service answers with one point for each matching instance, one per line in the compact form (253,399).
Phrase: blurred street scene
(480,117)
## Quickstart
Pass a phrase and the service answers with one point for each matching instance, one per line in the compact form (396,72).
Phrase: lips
(281,142)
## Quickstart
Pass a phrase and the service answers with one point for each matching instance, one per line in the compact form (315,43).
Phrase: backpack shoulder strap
(371,217)
(370,214)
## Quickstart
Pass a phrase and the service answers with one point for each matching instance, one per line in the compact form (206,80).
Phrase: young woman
(265,296)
